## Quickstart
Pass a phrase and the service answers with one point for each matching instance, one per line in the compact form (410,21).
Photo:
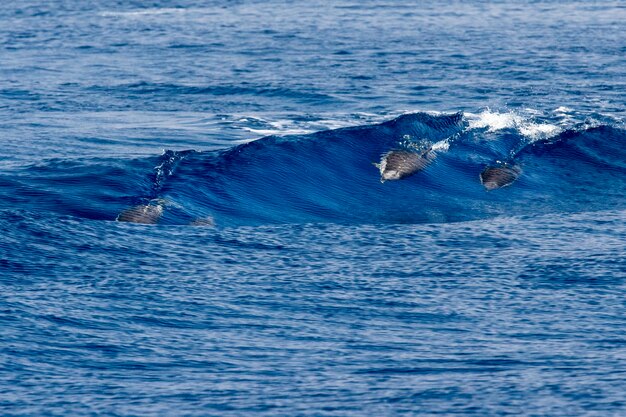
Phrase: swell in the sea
(330,176)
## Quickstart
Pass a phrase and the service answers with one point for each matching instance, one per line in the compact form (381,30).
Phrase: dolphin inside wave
(399,164)
(494,177)
(143,214)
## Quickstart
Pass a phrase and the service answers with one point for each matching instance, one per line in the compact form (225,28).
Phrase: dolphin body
(151,214)
(399,164)
(142,214)
(203,221)
(494,177)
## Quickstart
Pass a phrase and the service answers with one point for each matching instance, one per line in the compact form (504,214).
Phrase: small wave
(329,175)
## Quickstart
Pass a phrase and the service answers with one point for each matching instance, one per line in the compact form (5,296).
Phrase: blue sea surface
(193,222)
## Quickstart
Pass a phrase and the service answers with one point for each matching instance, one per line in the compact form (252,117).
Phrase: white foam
(535,112)
(563,109)
(265,127)
(539,131)
(442,145)
(270,132)
(495,121)
(144,12)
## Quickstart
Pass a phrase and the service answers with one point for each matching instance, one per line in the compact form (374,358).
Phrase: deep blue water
(282,277)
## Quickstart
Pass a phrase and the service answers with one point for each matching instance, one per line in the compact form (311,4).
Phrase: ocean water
(279,276)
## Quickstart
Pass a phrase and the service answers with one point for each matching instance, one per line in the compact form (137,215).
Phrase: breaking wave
(329,176)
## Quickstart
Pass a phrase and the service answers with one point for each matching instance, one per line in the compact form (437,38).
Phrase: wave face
(331,177)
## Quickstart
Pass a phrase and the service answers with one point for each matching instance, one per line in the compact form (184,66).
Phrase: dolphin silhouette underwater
(142,214)
(400,164)
(503,175)
(152,213)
